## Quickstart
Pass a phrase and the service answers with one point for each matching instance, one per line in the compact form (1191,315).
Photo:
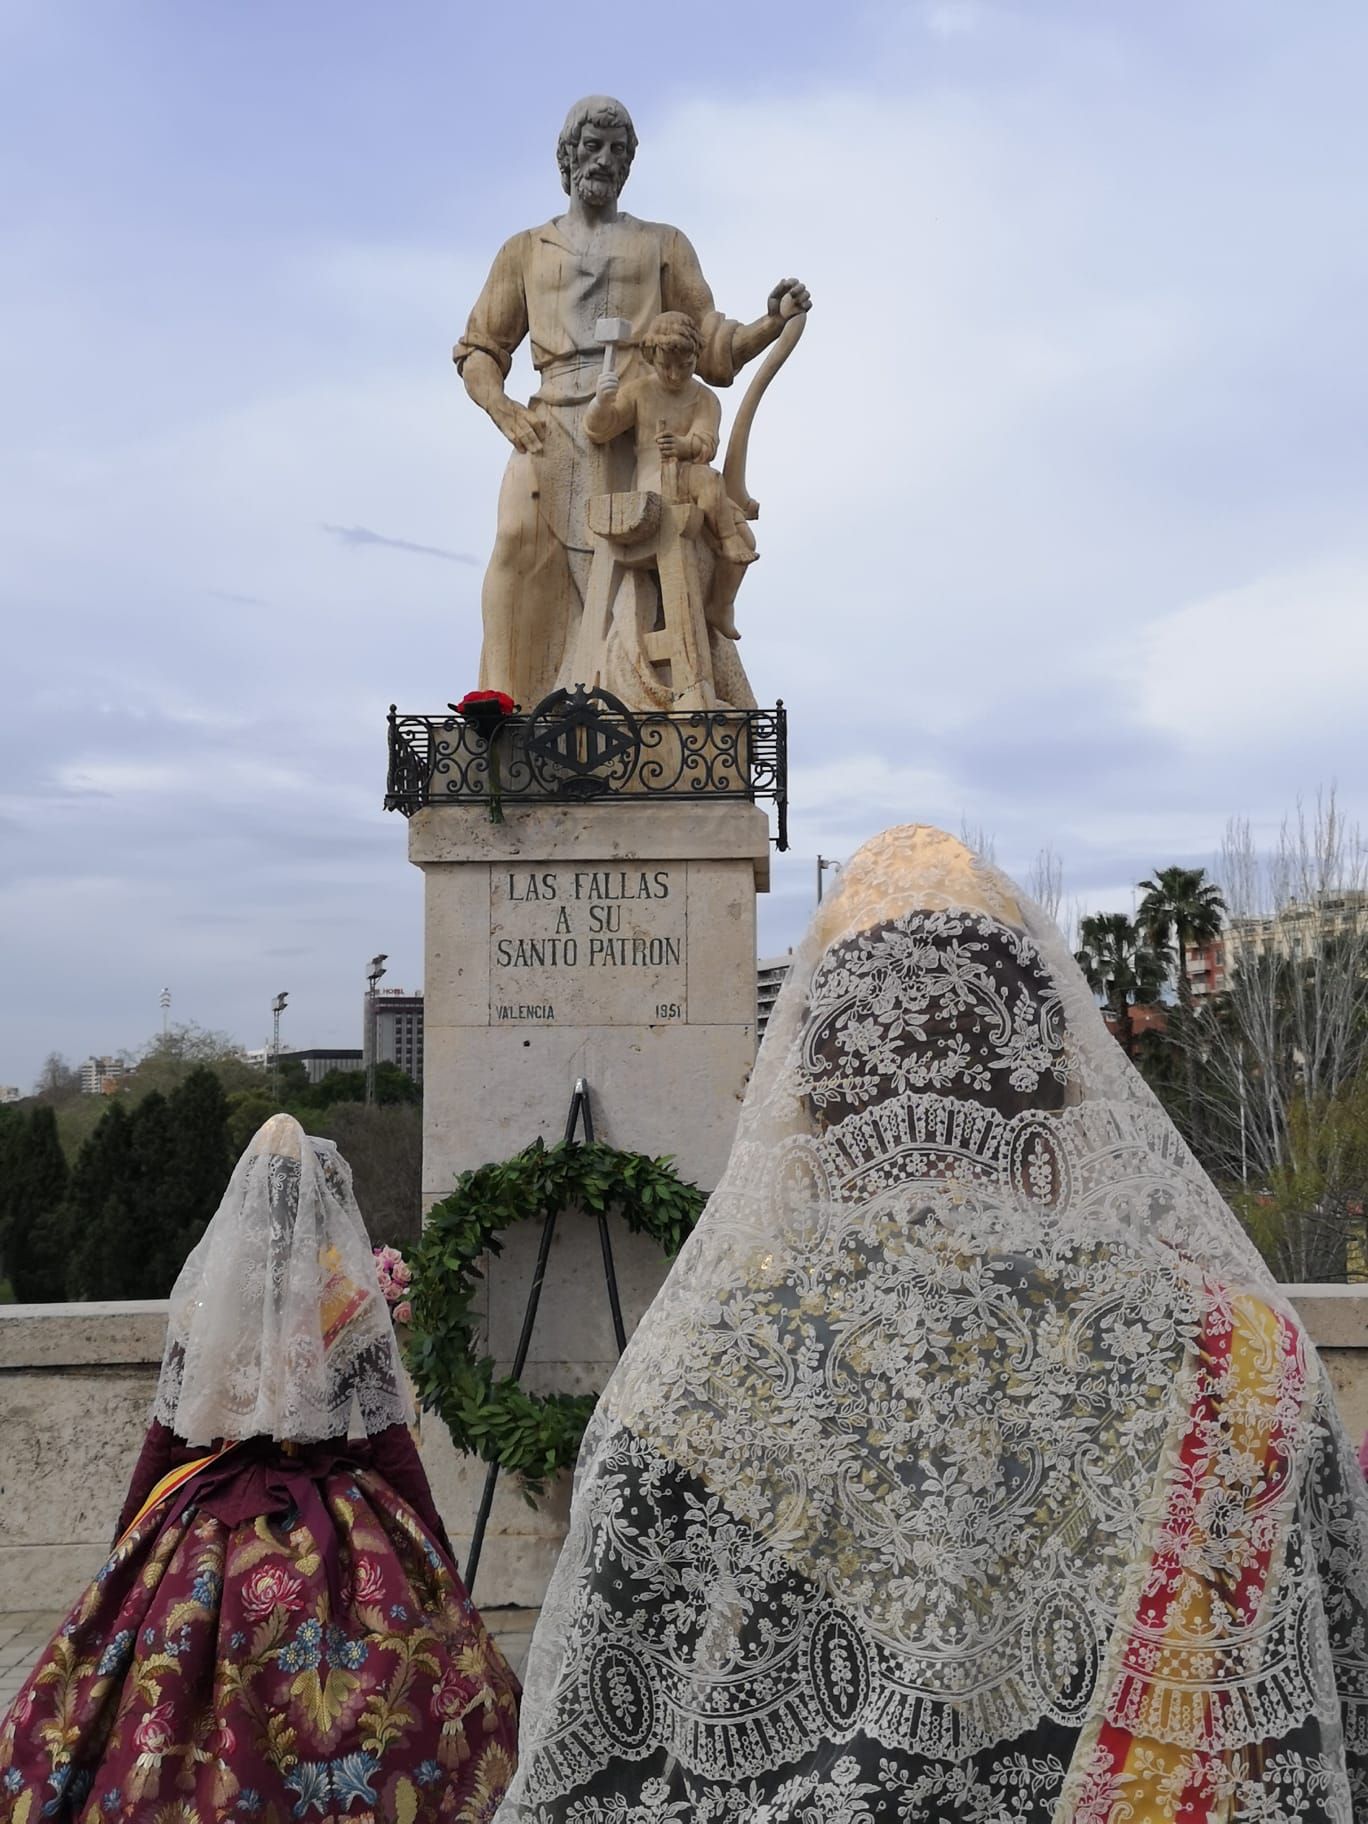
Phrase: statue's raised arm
(556,285)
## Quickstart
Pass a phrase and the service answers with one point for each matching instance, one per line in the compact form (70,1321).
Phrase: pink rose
(403,1273)
(451,1699)
(403,1312)
(154,1733)
(370,1581)
(271,1587)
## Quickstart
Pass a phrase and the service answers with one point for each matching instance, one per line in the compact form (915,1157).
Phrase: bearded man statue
(553,284)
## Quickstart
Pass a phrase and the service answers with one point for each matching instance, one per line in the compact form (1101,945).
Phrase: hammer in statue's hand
(610,331)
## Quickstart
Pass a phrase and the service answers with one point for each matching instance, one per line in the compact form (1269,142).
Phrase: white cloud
(233,779)
(953,18)
(1286,655)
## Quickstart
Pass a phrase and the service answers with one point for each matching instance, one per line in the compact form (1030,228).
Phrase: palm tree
(1182,910)
(1119,965)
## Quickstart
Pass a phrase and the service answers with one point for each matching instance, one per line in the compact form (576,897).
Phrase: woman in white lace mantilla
(279,1631)
(971,1469)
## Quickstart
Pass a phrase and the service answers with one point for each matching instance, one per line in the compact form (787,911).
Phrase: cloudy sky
(1064,526)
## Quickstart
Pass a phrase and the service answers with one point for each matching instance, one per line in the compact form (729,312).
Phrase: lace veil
(968,1409)
(277,1324)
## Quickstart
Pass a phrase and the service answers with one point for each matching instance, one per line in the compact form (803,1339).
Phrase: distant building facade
(323,1061)
(318,1060)
(10,1092)
(392,1021)
(101,1076)
(769,979)
(1205,965)
(1296,932)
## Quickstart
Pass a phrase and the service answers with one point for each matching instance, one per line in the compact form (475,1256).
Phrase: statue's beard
(598,188)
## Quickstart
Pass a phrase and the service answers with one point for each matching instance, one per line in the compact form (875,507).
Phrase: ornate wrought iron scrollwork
(585,744)
(410,762)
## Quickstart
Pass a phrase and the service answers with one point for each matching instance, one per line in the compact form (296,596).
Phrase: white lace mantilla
(278,1326)
(970,1466)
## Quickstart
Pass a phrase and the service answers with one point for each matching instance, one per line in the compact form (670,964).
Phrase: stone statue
(641,530)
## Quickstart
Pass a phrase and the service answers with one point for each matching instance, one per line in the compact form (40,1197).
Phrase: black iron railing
(587,746)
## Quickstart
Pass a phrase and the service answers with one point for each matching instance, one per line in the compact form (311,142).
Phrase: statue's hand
(518,425)
(668,444)
(790,298)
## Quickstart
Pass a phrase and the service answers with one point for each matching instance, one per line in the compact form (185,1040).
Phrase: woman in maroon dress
(280,1632)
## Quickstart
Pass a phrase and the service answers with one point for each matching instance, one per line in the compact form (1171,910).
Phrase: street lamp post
(823,863)
(373,974)
(277,1008)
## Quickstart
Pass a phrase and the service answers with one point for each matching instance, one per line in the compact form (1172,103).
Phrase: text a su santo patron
(584,909)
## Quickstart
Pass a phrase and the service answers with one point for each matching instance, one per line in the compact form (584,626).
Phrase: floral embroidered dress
(279,1632)
(971,1468)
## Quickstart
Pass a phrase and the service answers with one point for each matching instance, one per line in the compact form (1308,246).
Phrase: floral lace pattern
(950,1003)
(278,1326)
(971,1464)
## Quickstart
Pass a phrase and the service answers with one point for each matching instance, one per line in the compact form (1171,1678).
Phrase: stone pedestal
(613,942)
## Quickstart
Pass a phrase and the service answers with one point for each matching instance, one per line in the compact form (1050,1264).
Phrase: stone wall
(76,1382)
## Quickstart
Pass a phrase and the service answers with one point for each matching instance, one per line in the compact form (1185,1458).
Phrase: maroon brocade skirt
(257,1673)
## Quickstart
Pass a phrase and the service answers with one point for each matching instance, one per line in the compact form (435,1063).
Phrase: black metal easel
(580,1118)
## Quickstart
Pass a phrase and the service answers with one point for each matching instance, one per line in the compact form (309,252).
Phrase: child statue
(676,419)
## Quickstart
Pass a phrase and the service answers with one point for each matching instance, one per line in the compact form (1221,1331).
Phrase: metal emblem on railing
(576,749)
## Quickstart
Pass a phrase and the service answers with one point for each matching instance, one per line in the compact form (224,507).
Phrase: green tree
(102,1211)
(288,1081)
(393,1087)
(77,1121)
(146,1183)
(13,1145)
(248,1109)
(35,1182)
(58,1082)
(1278,1057)
(1119,965)
(171,1058)
(1307,1213)
(384,1148)
(201,1159)
(153,1184)
(1182,910)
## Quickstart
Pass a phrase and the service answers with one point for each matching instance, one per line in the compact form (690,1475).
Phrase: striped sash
(173,1480)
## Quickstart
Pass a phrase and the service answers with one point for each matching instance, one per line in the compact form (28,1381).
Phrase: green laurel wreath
(532,1435)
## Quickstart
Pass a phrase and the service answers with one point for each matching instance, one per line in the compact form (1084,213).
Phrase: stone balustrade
(76,1382)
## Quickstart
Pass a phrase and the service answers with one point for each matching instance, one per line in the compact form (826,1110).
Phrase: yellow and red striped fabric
(1253,1386)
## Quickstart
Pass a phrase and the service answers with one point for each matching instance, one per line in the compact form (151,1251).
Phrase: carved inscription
(594,945)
